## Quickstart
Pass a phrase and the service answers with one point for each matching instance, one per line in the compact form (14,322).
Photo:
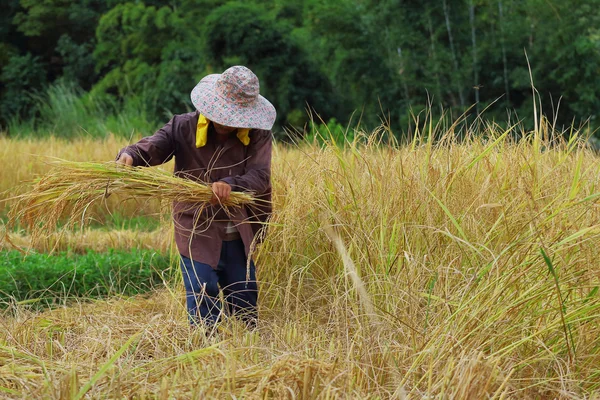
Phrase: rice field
(446,268)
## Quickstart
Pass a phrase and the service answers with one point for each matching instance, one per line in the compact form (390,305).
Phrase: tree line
(365,60)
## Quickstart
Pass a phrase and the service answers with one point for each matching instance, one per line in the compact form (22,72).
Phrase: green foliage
(360,61)
(377,59)
(567,56)
(47,40)
(19,77)
(9,9)
(332,132)
(46,279)
(54,17)
(149,50)
(78,63)
(289,77)
(62,33)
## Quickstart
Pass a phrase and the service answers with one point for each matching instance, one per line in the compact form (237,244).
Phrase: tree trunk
(436,65)
(454,58)
(402,71)
(474,46)
(504,62)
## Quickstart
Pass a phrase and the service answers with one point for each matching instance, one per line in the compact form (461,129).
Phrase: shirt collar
(202,132)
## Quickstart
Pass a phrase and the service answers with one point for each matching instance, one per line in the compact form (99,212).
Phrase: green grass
(44,279)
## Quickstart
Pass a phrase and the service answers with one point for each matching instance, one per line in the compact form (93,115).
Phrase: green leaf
(102,371)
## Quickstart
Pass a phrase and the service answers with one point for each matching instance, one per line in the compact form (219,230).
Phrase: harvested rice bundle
(70,188)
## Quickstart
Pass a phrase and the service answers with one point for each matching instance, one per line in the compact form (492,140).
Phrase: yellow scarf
(202,132)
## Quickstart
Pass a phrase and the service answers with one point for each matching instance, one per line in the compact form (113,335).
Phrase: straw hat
(232,99)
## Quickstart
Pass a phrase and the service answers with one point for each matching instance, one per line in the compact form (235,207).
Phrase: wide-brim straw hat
(232,99)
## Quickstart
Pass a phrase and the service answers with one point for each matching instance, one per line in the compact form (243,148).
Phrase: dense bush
(47,279)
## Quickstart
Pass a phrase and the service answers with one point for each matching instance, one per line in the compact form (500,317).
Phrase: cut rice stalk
(70,188)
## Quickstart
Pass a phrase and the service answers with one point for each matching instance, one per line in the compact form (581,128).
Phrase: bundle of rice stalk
(70,188)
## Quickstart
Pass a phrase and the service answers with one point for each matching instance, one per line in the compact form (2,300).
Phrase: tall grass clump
(66,111)
(478,256)
(443,268)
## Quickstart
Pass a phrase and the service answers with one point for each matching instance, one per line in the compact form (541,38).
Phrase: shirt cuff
(231,181)
(132,154)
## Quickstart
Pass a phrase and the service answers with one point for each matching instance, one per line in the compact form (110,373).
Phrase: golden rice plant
(64,195)
(446,269)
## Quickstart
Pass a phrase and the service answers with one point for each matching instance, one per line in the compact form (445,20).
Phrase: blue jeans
(202,284)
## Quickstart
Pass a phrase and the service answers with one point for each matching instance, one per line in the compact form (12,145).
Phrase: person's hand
(125,159)
(221,192)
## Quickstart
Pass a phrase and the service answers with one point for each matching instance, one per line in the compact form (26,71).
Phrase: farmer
(226,143)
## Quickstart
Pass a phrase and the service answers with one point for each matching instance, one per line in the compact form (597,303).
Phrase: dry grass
(462,270)
(81,241)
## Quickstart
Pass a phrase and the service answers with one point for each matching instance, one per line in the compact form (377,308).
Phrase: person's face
(222,129)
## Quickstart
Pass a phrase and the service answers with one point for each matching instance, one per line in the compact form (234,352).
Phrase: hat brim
(260,114)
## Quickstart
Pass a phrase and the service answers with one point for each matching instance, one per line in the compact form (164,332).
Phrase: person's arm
(151,150)
(257,176)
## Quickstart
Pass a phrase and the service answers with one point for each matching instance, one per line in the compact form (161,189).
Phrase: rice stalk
(467,267)
(65,194)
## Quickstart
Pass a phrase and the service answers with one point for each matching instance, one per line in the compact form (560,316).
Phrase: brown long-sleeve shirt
(199,231)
